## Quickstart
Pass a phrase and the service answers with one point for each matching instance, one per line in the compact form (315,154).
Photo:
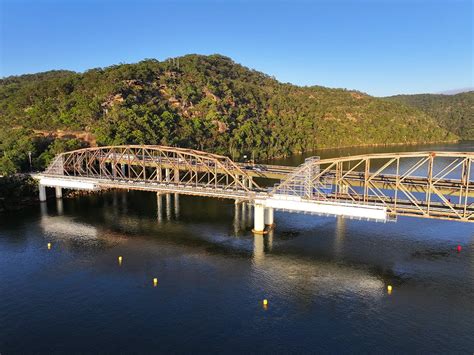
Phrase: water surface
(325,279)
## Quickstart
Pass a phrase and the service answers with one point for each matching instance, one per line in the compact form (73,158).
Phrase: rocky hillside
(453,112)
(204,102)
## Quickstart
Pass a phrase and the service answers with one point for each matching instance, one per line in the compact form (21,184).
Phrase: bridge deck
(430,184)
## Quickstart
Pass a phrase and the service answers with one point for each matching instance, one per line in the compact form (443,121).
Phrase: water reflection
(325,278)
(258,250)
(339,235)
(279,272)
(65,227)
(59,206)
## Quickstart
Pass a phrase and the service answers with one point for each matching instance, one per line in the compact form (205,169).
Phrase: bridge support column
(159,206)
(259,219)
(176,176)
(123,170)
(236,217)
(167,175)
(168,206)
(59,192)
(176,206)
(269,216)
(250,182)
(42,193)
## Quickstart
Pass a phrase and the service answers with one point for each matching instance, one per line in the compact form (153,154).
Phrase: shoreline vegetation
(21,190)
(207,103)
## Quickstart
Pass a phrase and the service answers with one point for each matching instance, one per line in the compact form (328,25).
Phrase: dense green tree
(453,112)
(203,102)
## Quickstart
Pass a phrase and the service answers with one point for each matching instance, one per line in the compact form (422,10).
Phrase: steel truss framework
(176,167)
(425,184)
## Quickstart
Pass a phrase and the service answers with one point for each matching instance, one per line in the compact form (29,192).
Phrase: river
(325,278)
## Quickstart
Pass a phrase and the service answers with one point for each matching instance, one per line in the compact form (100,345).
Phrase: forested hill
(203,102)
(453,112)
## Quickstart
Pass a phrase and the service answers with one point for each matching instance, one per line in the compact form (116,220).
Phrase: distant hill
(203,102)
(456,91)
(453,112)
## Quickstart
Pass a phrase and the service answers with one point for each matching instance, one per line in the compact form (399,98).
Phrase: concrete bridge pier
(259,219)
(263,217)
(176,205)
(269,217)
(59,192)
(42,192)
(168,207)
(159,206)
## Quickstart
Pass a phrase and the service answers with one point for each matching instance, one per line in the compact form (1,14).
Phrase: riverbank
(21,190)
(17,191)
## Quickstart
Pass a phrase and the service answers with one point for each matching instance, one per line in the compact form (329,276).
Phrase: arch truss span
(422,184)
(156,167)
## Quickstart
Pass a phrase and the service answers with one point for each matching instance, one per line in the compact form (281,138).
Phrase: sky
(382,47)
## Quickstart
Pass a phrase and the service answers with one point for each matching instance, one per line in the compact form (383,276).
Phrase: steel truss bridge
(374,186)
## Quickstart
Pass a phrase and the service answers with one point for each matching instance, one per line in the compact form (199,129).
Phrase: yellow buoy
(120,260)
(265,302)
(49,246)
(155,282)
(389,289)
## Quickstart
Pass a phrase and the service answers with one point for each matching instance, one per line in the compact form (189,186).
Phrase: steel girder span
(375,186)
(421,184)
(154,168)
